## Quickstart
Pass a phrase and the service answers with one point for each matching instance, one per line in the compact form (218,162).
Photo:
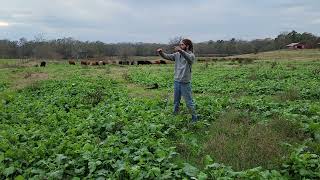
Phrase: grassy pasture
(259,120)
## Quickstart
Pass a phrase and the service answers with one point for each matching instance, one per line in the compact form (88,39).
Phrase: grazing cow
(84,63)
(147,62)
(162,62)
(124,62)
(156,62)
(94,63)
(144,62)
(71,62)
(43,64)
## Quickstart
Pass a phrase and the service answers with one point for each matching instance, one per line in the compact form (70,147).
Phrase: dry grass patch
(290,94)
(235,141)
(27,78)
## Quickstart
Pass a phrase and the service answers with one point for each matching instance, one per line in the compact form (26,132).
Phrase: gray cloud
(157,21)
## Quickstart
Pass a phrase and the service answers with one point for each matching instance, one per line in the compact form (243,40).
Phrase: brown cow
(84,63)
(94,63)
(71,62)
(156,62)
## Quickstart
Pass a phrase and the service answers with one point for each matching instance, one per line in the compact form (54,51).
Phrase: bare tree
(125,51)
(174,42)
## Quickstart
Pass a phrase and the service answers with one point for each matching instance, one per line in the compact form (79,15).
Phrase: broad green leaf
(202,176)
(208,160)
(1,157)
(190,170)
(20,177)
(8,171)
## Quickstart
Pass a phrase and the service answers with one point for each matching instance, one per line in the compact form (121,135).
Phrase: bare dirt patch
(39,76)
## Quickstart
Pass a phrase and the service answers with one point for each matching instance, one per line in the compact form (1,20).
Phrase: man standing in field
(183,58)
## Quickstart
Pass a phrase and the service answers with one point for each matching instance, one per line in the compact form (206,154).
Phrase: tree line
(67,48)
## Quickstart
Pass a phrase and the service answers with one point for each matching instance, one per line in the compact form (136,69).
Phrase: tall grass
(236,141)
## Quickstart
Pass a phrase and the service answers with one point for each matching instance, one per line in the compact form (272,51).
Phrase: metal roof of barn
(292,44)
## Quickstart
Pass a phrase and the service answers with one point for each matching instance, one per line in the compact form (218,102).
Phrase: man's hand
(177,48)
(159,50)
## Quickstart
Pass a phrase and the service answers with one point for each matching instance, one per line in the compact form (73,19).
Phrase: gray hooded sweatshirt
(183,64)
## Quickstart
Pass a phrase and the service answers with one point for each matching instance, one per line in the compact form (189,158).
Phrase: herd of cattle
(96,63)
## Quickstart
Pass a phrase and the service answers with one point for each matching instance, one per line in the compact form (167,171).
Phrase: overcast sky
(158,21)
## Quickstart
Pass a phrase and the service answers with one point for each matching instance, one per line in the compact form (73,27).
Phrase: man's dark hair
(188,42)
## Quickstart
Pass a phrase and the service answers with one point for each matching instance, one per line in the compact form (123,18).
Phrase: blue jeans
(184,89)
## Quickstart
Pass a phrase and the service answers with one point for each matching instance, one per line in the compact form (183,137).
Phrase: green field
(259,120)
(305,54)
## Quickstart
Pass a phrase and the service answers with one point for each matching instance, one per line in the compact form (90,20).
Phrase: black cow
(144,62)
(43,64)
(162,62)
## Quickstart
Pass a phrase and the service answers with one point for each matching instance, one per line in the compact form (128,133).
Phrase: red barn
(296,46)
